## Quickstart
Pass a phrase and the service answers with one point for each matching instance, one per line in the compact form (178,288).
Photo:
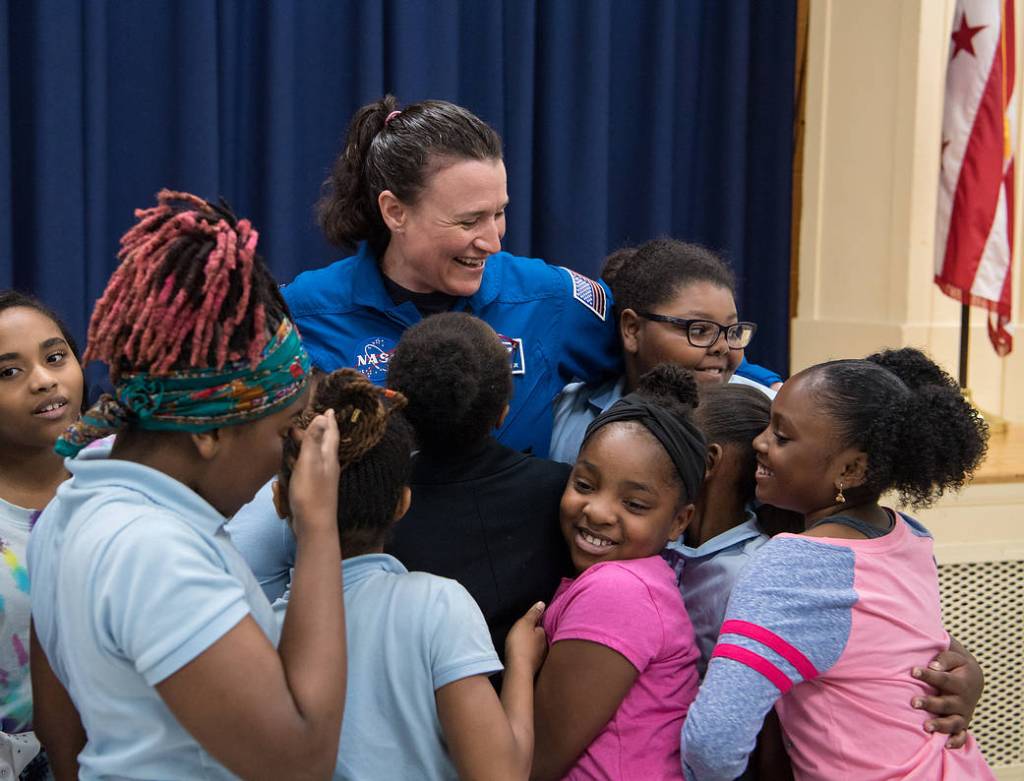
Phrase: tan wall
(875,82)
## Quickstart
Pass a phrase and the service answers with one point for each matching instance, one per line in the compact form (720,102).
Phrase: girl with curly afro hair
(825,625)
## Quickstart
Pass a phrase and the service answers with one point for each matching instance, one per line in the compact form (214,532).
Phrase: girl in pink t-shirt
(825,625)
(621,670)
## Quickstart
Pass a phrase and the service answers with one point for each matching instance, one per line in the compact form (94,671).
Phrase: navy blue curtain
(623,120)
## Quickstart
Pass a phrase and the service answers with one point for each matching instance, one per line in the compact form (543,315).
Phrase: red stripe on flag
(977,189)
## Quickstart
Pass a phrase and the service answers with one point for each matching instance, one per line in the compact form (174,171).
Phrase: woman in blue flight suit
(421,194)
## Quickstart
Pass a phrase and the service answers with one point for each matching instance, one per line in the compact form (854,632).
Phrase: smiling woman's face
(658,342)
(442,242)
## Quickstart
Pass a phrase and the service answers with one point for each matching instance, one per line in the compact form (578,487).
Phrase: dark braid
(191,292)
(375,452)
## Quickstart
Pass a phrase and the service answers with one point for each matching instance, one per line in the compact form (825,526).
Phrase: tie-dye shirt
(15,686)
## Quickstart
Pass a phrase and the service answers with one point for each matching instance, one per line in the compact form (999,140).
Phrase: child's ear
(713,460)
(280,500)
(502,416)
(404,502)
(681,521)
(854,469)
(629,330)
(392,210)
(207,443)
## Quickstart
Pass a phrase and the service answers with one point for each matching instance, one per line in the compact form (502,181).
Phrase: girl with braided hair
(154,652)
(826,625)
(419,650)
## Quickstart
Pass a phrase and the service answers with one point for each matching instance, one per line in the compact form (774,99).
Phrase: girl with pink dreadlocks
(154,653)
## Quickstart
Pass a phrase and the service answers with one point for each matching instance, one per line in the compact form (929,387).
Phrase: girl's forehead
(701,297)
(625,449)
(25,325)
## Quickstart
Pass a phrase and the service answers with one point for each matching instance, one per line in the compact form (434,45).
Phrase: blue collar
(361,567)
(606,394)
(93,469)
(747,530)
(368,287)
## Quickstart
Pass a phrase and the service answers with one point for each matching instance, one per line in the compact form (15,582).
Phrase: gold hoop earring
(840,499)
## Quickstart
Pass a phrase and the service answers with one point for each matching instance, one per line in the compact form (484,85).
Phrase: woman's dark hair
(455,372)
(375,452)
(732,414)
(392,151)
(920,435)
(10,299)
(657,270)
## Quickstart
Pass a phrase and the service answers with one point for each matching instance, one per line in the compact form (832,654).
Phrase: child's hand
(313,488)
(959,679)
(526,643)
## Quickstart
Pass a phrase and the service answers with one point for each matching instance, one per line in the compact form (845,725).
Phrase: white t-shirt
(133,577)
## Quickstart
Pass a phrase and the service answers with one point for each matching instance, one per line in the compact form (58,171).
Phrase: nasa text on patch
(589,293)
(373,356)
(516,356)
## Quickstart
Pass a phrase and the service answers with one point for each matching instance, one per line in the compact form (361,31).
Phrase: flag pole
(965,333)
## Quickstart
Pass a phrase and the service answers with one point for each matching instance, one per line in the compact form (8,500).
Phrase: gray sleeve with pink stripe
(788,620)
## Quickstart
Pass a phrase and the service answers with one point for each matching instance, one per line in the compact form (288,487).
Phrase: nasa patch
(589,293)
(516,356)
(372,358)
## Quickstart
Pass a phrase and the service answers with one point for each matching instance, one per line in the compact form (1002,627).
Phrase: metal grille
(983,607)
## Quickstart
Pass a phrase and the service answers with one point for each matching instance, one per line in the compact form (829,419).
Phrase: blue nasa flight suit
(556,324)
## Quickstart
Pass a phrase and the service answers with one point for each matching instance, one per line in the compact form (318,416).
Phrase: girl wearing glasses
(674,304)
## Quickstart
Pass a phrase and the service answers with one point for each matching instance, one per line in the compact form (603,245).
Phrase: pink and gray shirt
(827,630)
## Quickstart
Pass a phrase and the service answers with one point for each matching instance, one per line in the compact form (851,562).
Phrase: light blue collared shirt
(708,573)
(133,577)
(409,634)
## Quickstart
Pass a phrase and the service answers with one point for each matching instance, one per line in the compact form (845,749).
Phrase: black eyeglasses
(704,333)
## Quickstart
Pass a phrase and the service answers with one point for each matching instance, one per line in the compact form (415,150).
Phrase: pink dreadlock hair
(190,293)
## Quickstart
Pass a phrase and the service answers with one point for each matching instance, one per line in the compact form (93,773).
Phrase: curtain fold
(622,121)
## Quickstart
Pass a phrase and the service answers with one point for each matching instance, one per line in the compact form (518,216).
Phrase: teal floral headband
(198,399)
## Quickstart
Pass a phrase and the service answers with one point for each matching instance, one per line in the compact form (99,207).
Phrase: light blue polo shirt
(578,404)
(409,634)
(708,573)
(133,577)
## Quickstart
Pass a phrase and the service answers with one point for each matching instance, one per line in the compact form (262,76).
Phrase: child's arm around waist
(788,621)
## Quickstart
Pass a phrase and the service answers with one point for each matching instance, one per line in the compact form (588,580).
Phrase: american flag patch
(589,293)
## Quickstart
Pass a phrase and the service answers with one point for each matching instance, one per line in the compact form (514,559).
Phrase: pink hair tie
(391,116)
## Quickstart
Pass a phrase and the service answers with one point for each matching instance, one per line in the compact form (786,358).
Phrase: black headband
(682,440)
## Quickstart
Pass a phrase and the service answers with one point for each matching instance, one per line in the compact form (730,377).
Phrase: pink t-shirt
(633,607)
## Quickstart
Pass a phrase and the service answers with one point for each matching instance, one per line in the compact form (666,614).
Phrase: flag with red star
(974,229)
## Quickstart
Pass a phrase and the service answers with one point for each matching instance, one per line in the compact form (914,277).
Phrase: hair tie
(391,116)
